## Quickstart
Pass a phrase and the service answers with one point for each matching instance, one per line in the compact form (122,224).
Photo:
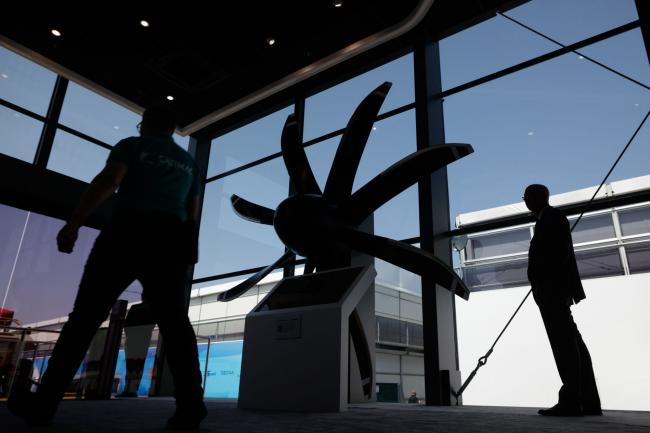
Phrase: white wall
(614,322)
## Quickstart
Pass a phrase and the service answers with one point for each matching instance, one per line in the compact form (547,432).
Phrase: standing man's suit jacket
(552,268)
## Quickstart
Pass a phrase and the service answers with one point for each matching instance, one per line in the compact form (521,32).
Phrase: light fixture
(337,3)
(170,98)
(270,41)
(581,57)
(144,23)
(374,128)
(4,75)
(116,127)
(530,133)
(56,33)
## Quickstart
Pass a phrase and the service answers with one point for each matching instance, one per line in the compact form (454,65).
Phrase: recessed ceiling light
(270,41)
(374,128)
(144,23)
(56,33)
(581,57)
(4,75)
(170,98)
(636,105)
(337,3)
(116,127)
(531,133)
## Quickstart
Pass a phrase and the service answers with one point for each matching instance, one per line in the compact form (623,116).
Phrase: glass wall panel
(331,109)
(24,83)
(96,116)
(599,263)
(498,244)
(229,243)
(593,228)
(496,275)
(37,282)
(248,143)
(76,157)
(638,257)
(553,123)
(634,221)
(20,134)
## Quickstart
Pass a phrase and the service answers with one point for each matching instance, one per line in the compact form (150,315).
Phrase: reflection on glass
(248,143)
(97,116)
(25,83)
(229,243)
(331,109)
(20,134)
(76,157)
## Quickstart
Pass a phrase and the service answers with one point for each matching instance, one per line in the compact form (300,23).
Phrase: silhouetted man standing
(150,238)
(553,275)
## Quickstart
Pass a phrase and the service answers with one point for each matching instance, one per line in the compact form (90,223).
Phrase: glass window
(96,116)
(76,157)
(599,263)
(572,21)
(497,244)
(229,243)
(183,142)
(25,83)
(391,330)
(415,334)
(634,221)
(248,143)
(20,134)
(331,109)
(593,228)
(552,124)
(496,275)
(638,257)
(38,282)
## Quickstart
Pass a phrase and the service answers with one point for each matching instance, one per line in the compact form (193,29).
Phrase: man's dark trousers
(570,352)
(149,248)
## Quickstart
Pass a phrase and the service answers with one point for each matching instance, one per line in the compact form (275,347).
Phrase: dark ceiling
(211,54)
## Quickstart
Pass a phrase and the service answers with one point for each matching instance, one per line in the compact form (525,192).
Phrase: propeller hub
(304,223)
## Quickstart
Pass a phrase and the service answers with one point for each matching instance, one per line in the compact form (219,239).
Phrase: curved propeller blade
(407,257)
(361,348)
(348,154)
(296,160)
(242,287)
(251,211)
(399,177)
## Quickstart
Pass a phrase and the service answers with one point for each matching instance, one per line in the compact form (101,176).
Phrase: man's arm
(100,189)
(193,204)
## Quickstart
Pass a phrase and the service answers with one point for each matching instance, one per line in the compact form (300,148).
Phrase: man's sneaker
(187,419)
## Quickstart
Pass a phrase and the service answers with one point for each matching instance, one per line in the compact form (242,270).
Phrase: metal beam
(51,122)
(433,199)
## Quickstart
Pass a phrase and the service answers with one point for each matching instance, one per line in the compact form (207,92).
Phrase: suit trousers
(570,352)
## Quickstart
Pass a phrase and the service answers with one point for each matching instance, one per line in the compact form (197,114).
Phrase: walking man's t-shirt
(161,176)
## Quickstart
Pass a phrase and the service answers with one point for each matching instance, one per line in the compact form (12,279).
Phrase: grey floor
(149,415)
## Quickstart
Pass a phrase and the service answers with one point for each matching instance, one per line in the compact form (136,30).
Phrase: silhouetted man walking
(553,275)
(150,238)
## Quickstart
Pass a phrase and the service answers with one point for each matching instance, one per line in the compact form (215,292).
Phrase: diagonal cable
(620,74)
